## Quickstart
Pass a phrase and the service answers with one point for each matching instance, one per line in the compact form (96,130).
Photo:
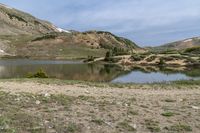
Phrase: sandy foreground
(27,107)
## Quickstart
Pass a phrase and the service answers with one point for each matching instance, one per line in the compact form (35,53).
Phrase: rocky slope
(26,36)
(14,22)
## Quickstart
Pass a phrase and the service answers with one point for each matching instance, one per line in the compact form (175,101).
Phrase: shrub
(153,126)
(194,50)
(161,62)
(13,16)
(150,59)
(179,128)
(136,57)
(89,59)
(72,127)
(45,37)
(108,56)
(98,121)
(167,114)
(39,74)
(124,125)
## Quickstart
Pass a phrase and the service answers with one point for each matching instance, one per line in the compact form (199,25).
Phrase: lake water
(76,70)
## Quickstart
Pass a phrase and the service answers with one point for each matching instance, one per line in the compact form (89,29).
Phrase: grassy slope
(64,46)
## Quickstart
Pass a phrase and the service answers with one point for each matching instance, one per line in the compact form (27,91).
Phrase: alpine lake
(97,72)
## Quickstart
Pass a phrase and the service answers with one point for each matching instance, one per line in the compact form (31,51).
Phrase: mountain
(15,22)
(23,35)
(181,45)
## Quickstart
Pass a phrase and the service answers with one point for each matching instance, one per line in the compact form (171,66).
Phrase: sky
(146,22)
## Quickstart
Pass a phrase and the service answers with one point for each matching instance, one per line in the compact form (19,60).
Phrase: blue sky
(147,22)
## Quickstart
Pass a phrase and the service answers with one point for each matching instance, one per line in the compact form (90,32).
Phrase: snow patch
(188,40)
(6,6)
(62,30)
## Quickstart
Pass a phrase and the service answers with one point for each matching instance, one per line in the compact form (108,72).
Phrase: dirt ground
(27,107)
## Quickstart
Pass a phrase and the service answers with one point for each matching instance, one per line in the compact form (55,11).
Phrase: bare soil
(28,107)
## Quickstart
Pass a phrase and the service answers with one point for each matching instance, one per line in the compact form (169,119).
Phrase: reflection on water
(59,69)
(75,70)
(141,77)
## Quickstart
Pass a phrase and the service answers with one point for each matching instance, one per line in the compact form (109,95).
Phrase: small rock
(135,126)
(125,104)
(195,107)
(118,103)
(17,99)
(47,95)
(87,92)
(37,102)
(181,100)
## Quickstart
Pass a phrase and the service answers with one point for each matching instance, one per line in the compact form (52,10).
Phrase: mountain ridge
(181,44)
(14,22)
(24,35)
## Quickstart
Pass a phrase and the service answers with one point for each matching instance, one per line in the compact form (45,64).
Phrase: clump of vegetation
(72,127)
(150,59)
(63,100)
(36,22)
(167,114)
(170,100)
(45,37)
(4,122)
(161,62)
(89,59)
(137,57)
(119,51)
(179,128)
(193,73)
(13,16)
(187,82)
(153,126)
(194,50)
(124,125)
(115,52)
(132,112)
(39,74)
(167,58)
(98,121)
(108,56)
(169,51)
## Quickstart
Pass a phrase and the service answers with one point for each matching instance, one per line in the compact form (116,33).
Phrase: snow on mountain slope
(62,30)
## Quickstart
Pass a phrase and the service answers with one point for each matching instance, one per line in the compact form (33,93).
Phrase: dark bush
(161,62)
(108,56)
(89,59)
(194,50)
(45,37)
(137,57)
(150,59)
(39,74)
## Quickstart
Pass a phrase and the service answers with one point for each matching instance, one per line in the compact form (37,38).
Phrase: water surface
(77,70)
(141,77)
